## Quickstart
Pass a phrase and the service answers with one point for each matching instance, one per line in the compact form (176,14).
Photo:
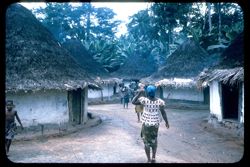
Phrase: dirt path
(117,140)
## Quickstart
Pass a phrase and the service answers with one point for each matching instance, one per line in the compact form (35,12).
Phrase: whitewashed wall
(184,94)
(215,102)
(94,93)
(242,104)
(85,105)
(126,83)
(107,92)
(41,107)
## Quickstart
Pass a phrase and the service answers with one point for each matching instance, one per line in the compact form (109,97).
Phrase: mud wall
(215,102)
(41,107)
(107,92)
(184,94)
(85,105)
(94,93)
(242,104)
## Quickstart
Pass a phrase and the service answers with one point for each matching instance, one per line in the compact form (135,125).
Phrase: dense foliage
(152,33)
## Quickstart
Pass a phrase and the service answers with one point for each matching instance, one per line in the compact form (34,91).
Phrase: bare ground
(190,139)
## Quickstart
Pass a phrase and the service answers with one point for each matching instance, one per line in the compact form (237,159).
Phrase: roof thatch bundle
(87,62)
(187,61)
(34,59)
(110,81)
(233,56)
(230,70)
(135,68)
(230,76)
(84,59)
(177,83)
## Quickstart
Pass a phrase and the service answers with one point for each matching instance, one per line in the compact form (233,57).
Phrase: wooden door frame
(82,106)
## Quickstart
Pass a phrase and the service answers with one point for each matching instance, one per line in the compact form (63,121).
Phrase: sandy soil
(190,139)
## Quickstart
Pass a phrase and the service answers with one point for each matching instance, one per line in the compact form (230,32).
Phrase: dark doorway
(114,88)
(159,92)
(230,96)
(75,106)
(206,95)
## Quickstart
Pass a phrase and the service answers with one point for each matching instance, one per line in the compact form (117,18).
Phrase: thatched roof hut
(87,62)
(230,69)
(135,68)
(230,76)
(176,83)
(34,59)
(184,65)
(233,56)
(84,59)
(226,84)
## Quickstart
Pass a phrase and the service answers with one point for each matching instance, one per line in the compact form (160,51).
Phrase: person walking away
(10,125)
(132,89)
(151,120)
(131,93)
(126,97)
(139,107)
(121,92)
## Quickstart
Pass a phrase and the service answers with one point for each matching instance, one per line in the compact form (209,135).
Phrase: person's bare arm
(18,119)
(164,115)
(135,100)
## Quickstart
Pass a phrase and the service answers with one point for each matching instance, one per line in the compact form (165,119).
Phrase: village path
(117,140)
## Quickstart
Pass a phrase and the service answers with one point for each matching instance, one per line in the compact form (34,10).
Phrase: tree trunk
(209,18)
(88,22)
(204,23)
(219,28)
(101,95)
(170,36)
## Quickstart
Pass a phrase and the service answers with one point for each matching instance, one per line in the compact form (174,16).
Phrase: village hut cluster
(135,68)
(44,88)
(108,85)
(51,82)
(226,84)
(191,74)
(176,79)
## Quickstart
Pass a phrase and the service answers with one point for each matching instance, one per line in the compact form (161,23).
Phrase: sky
(122,9)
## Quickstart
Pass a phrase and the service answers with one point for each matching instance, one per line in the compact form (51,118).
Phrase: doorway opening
(206,95)
(230,102)
(76,106)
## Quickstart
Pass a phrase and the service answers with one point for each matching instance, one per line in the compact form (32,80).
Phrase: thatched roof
(84,59)
(177,83)
(110,81)
(87,62)
(230,69)
(186,62)
(34,59)
(233,56)
(135,68)
(229,76)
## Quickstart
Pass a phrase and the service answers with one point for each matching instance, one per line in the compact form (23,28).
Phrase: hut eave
(231,76)
(35,86)
(177,83)
(171,82)
(108,81)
